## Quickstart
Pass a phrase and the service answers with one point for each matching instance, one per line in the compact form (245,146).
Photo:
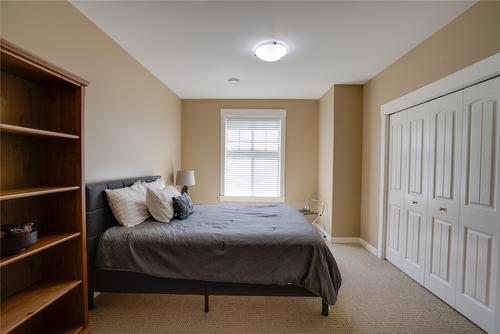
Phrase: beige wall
(472,36)
(347,160)
(132,120)
(325,161)
(201,145)
(339,164)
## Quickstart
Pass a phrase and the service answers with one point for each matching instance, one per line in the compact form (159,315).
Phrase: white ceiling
(194,47)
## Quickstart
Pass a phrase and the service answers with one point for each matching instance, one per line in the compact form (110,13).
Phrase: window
(252,159)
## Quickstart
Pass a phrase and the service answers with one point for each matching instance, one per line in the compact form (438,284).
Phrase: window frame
(251,114)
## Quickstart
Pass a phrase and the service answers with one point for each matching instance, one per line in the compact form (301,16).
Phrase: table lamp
(185,178)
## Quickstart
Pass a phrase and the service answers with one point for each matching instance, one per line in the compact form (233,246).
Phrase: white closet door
(479,205)
(396,185)
(445,134)
(415,211)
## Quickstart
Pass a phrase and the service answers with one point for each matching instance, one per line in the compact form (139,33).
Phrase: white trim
(251,113)
(384,156)
(345,240)
(369,247)
(359,241)
(323,232)
(222,151)
(252,199)
(480,71)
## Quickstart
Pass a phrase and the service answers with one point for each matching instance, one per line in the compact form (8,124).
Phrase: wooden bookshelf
(44,287)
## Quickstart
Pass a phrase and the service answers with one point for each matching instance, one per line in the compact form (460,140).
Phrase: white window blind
(253,153)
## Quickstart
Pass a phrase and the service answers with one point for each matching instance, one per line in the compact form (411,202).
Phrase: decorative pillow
(160,203)
(183,206)
(128,204)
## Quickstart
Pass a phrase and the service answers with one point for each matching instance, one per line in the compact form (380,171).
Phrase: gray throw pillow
(183,206)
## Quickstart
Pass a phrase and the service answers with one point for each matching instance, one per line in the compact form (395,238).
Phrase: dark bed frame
(100,218)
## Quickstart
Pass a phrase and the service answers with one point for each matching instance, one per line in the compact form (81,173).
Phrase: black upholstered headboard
(98,214)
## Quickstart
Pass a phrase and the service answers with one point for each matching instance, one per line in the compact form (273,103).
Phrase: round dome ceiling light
(271,50)
(233,81)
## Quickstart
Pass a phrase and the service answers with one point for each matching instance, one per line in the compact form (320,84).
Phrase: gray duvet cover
(259,244)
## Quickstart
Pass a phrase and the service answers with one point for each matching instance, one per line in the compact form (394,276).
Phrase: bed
(260,250)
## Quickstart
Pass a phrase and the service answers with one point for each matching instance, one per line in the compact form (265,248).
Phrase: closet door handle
(442,209)
(414,202)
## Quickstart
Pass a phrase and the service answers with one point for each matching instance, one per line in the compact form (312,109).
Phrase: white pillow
(128,204)
(157,184)
(160,204)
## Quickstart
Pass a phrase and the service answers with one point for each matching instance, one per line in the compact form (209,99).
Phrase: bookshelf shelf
(43,243)
(21,130)
(35,191)
(24,305)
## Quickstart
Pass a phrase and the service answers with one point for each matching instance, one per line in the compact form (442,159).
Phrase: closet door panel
(397,185)
(414,227)
(439,262)
(444,146)
(445,130)
(479,205)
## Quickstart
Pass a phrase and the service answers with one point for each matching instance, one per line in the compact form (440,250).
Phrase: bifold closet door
(445,133)
(478,249)
(396,185)
(413,236)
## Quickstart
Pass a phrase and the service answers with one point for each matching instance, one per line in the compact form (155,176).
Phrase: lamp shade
(185,178)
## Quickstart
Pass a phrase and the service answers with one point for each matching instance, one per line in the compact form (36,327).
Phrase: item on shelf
(17,237)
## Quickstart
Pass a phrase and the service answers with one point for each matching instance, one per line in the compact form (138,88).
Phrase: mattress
(258,244)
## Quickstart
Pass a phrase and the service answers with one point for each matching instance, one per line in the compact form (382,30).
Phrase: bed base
(115,281)
(99,218)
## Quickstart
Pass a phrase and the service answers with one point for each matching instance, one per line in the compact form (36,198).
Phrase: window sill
(251,199)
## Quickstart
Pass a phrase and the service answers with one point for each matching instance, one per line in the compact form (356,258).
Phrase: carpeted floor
(375,298)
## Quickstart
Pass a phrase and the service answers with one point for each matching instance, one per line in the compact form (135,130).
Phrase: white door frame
(473,74)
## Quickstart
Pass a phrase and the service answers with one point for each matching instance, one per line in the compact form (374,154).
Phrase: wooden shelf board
(44,242)
(20,307)
(28,192)
(6,128)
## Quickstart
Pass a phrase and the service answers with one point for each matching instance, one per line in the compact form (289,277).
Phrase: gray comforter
(261,244)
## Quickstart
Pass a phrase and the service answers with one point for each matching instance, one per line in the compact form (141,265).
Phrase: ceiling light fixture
(271,50)
(233,81)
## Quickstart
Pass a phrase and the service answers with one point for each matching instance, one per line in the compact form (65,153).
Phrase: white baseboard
(358,241)
(368,246)
(345,240)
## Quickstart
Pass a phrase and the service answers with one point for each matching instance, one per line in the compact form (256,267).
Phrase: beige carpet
(375,298)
